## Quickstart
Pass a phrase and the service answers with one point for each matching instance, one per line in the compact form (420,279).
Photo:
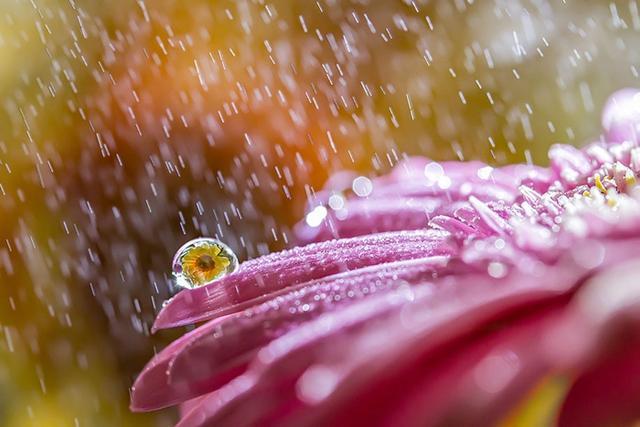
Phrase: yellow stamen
(598,183)
(540,406)
(630,179)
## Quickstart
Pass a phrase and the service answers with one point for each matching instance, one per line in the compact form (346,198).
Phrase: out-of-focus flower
(455,294)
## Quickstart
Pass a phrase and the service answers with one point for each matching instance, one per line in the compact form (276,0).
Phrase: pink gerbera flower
(450,294)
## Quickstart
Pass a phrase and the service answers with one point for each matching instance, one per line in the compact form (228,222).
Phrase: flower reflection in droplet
(201,261)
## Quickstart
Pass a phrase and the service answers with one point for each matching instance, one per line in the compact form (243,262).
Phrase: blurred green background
(129,127)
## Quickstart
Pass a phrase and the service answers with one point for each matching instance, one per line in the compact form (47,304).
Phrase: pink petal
(491,221)
(439,313)
(600,337)
(571,164)
(262,276)
(608,393)
(457,190)
(249,330)
(224,344)
(453,226)
(360,342)
(621,116)
(366,216)
(152,385)
(480,376)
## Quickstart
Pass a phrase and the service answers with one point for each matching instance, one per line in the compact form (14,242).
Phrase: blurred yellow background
(129,127)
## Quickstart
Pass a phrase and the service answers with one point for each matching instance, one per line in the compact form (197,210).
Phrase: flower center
(613,181)
(206,262)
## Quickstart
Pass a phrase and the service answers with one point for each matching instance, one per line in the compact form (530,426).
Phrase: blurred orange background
(130,127)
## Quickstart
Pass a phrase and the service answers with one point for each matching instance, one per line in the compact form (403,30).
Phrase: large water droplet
(202,261)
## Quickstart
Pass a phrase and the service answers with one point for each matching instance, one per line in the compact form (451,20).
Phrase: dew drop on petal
(497,270)
(444,182)
(362,186)
(202,261)
(342,214)
(316,384)
(433,171)
(316,216)
(496,370)
(485,172)
(336,202)
(588,255)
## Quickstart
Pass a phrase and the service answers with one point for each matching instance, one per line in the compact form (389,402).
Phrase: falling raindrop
(201,261)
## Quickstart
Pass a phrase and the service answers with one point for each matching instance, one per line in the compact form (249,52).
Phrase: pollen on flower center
(598,183)
(205,262)
(612,181)
(611,195)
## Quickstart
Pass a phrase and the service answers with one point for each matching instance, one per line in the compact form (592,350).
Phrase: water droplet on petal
(485,172)
(362,186)
(316,216)
(444,182)
(433,171)
(336,202)
(497,270)
(201,261)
